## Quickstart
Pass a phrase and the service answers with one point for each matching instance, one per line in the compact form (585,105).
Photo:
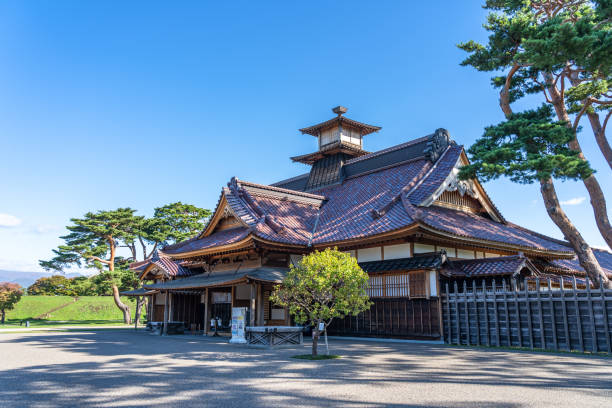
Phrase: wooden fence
(534,316)
(393,317)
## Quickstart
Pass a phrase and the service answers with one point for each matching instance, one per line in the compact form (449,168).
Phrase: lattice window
(266,304)
(418,285)
(454,199)
(388,285)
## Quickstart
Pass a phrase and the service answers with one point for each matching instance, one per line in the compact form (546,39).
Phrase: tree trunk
(122,306)
(600,137)
(3,315)
(598,200)
(140,300)
(315,340)
(583,250)
(598,131)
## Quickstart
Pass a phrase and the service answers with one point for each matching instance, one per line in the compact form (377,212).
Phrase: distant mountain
(25,279)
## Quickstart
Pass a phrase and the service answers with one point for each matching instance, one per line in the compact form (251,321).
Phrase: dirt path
(47,314)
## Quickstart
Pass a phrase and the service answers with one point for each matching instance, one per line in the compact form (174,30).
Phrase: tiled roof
(262,274)
(503,265)
(366,129)
(463,224)
(604,257)
(139,292)
(367,203)
(163,262)
(224,237)
(432,261)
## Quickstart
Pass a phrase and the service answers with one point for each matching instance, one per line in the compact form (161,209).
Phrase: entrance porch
(204,302)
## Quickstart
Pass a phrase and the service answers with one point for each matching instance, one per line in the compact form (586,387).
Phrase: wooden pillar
(170,306)
(233,295)
(206,318)
(252,305)
(260,306)
(165,325)
(151,300)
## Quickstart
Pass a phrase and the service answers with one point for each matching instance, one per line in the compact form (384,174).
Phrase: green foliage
(91,238)
(178,222)
(53,285)
(10,293)
(324,285)
(567,39)
(527,147)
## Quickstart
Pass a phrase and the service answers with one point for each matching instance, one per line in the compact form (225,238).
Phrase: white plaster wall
(433,283)
(421,248)
(449,251)
(397,251)
(369,254)
(465,253)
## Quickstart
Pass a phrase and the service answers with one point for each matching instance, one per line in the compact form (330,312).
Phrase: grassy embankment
(65,310)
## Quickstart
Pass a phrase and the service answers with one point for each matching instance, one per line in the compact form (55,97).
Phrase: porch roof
(426,261)
(138,292)
(205,280)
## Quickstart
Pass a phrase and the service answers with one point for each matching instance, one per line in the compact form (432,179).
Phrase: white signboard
(238,325)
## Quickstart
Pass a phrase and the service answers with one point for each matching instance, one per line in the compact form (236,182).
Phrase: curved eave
(547,253)
(243,243)
(389,235)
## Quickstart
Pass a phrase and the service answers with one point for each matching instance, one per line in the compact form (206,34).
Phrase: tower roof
(364,128)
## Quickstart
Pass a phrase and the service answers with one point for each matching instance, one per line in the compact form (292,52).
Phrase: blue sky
(111,104)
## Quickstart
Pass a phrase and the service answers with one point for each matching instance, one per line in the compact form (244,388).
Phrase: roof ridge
(388,149)
(492,259)
(305,175)
(281,190)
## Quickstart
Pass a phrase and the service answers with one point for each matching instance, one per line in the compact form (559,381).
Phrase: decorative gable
(463,195)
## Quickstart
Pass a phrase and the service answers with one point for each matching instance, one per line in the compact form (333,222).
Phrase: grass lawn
(44,311)
(14,324)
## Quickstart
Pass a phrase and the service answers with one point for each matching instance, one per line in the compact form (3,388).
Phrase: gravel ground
(121,368)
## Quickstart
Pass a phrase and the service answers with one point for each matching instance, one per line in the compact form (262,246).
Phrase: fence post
(449,339)
(457,312)
(605,314)
(542,336)
(565,322)
(552,311)
(484,298)
(508,333)
(578,317)
(529,322)
(496,314)
(518,312)
(475,301)
(467,313)
(591,316)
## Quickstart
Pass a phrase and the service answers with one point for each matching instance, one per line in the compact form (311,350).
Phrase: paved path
(122,368)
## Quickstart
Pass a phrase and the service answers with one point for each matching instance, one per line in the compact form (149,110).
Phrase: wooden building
(402,212)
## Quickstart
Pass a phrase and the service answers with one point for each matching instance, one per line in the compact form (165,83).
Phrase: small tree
(324,285)
(10,293)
